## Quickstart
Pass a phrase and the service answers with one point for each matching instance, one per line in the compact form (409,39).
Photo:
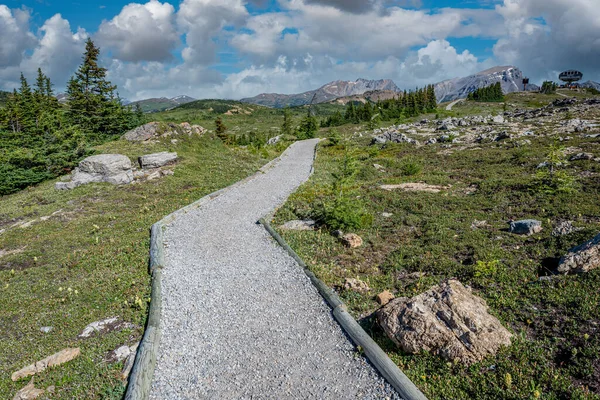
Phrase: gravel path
(449,106)
(240,319)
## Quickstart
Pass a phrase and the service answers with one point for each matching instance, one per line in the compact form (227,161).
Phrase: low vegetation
(84,258)
(415,240)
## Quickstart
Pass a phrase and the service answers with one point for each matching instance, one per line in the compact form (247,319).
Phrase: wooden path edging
(386,367)
(142,373)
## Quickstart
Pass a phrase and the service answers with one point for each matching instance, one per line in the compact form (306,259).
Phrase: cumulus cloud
(203,21)
(14,29)
(58,52)
(545,37)
(141,32)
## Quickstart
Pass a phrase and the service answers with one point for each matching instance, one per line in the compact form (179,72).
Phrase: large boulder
(111,168)
(157,160)
(393,136)
(582,258)
(447,320)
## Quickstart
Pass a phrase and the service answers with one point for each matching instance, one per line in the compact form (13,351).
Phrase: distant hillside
(216,106)
(510,77)
(325,93)
(162,103)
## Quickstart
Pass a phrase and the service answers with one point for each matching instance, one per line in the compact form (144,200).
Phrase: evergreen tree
(220,130)
(286,127)
(93,104)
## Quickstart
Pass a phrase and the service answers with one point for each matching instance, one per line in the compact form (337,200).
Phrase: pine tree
(220,130)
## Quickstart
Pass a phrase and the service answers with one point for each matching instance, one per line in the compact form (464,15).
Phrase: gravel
(240,319)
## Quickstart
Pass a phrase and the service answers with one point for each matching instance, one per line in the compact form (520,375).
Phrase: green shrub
(334,137)
(553,177)
(343,212)
(410,168)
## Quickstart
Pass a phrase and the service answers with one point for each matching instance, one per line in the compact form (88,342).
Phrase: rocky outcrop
(111,168)
(447,320)
(29,392)
(157,160)
(156,130)
(391,135)
(582,258)
(356,285)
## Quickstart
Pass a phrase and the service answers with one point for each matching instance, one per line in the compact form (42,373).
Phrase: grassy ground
(555,349)
(89,262)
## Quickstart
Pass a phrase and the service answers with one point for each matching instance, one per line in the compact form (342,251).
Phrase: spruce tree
(93,104)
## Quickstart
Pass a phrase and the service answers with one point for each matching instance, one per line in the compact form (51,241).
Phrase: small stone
(385,297)
(526,227)
(387,215)
(299,225)
(357,285)
(498,119)
(415,187)
(46,329)
(337,233)
(379,168)
(104,326)
(50,389)
(352,240)
(29,392)
(581,156)
(61,357)
(478,224)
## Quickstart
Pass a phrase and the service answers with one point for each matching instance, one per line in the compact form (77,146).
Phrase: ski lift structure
(570,77)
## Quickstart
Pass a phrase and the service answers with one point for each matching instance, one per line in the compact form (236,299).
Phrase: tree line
(492,93)
(41,138)
(406,104)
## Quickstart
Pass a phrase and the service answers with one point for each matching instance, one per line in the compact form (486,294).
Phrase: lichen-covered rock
(104,326)
(157,160)
(357,285)
(526,227)
(111,168)
(582,258)
(447,320)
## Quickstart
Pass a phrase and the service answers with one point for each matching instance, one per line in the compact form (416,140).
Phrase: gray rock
(498,119)
(582,258)
(503,135)
(46,329)
(155,130)
(581,156)
(298,225)
(157,160)
(564,228)
(431,141)
(447,320)
(274,140)
(526,227)
(111,168)
(394,137)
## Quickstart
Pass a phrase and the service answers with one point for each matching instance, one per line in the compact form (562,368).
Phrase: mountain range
(325,93)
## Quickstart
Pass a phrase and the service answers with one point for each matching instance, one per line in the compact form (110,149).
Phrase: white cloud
(203,21)
(16,38)
(545,37)
(58,52)
(141,32)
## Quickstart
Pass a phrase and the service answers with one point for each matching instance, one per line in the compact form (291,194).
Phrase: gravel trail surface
(240,319)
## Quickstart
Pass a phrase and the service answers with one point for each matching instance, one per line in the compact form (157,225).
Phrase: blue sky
(238,48)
